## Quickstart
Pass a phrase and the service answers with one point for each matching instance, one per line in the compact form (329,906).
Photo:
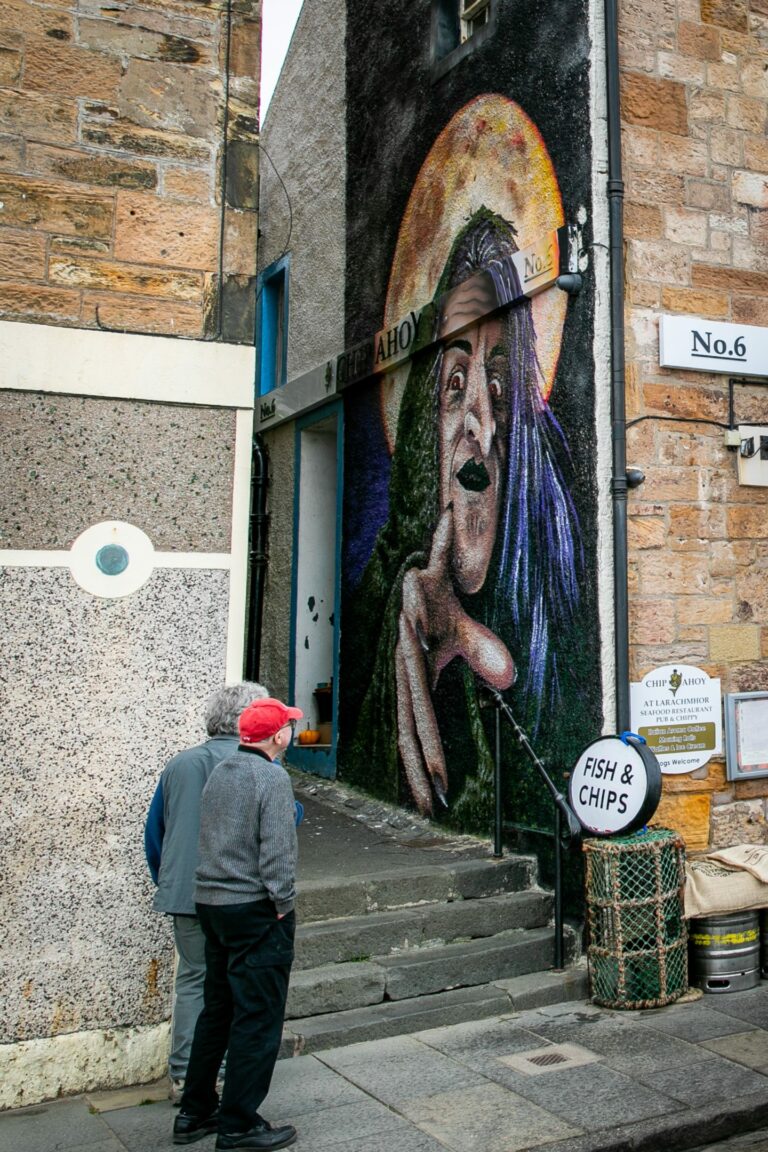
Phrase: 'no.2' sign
(615,786)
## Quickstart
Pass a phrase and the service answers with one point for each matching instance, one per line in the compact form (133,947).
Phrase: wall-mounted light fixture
(570,282)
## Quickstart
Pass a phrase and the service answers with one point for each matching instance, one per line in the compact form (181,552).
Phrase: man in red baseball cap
(244,898)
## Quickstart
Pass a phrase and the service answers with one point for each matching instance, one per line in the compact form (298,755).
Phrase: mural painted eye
(497,384)
(457,380)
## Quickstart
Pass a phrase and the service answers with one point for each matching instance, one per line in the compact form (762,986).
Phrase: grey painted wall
(304,137)
(305,141)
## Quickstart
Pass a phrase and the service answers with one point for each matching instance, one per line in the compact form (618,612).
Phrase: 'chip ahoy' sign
(713,346)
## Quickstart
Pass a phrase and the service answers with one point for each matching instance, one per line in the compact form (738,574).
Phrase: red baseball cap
(263,718)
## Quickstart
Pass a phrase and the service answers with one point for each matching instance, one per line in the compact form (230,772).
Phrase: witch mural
(474,577)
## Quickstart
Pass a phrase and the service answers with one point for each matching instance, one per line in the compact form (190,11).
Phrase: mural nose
(480,429)
(471,426)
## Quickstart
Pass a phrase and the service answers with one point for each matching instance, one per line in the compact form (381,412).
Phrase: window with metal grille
(475,14)
(458,27)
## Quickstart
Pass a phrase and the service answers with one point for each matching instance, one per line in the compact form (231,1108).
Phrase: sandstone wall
(112,165)
(694,103)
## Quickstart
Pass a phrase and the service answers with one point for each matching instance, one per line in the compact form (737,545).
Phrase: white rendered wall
(602,344)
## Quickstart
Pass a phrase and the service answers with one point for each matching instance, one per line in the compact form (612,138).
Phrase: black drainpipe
(258,555)
(618,404)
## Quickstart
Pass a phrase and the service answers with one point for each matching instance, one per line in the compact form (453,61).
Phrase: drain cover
(553,1058)
(548,1058)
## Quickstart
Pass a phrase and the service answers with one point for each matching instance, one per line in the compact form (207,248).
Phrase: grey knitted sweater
(248,845)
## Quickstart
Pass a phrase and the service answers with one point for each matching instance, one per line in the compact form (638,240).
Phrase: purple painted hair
(539,552)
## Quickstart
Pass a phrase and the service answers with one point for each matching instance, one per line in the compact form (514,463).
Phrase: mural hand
(434,629)
(429,599)
(418,737)
(450,630)
(417,667)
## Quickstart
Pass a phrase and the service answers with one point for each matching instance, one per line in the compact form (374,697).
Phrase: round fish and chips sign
(615,786)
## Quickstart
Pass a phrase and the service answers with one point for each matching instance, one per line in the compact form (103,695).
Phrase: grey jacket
(248,847)
(181,786)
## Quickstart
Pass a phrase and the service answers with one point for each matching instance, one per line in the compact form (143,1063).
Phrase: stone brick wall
(694,104)
(112,123)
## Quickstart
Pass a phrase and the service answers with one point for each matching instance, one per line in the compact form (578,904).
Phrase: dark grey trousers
(248,954)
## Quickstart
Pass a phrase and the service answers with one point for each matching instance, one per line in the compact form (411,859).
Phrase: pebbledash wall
(694,107)
(127,266)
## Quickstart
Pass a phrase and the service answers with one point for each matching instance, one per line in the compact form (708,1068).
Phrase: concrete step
(405,887)
(399,1017)
(335,988)
(420,972)
(382,933)
(506,954)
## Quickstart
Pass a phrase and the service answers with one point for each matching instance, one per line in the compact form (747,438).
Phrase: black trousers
(248,956)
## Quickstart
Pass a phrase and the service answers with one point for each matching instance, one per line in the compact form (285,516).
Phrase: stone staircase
(409,949)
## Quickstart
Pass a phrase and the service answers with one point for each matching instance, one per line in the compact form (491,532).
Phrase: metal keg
(725,952)
(764,943)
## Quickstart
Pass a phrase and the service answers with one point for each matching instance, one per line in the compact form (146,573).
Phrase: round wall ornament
(112,559)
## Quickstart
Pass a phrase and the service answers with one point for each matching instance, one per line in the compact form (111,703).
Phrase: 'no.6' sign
(615,786)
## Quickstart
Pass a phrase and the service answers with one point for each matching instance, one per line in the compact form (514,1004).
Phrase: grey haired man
(171,844)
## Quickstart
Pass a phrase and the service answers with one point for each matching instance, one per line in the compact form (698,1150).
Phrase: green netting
(638,955)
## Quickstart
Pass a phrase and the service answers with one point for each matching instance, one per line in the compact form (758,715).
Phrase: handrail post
(567,825)
(559,948)
(497,848)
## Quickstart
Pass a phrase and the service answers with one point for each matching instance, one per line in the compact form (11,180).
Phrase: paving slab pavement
(563,1078)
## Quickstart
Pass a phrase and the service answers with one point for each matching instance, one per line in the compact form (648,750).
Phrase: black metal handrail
(567,829)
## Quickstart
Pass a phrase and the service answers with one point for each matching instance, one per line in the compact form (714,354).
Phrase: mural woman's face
(473,421)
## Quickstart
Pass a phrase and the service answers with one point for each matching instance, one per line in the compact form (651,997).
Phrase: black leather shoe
(187,1129)
(262,1135)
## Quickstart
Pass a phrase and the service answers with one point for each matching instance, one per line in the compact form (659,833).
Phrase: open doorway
(315,615)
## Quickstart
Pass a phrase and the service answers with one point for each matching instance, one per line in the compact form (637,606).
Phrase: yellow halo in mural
(490,154)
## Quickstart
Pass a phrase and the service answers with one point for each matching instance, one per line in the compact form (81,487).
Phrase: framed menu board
(746,735)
